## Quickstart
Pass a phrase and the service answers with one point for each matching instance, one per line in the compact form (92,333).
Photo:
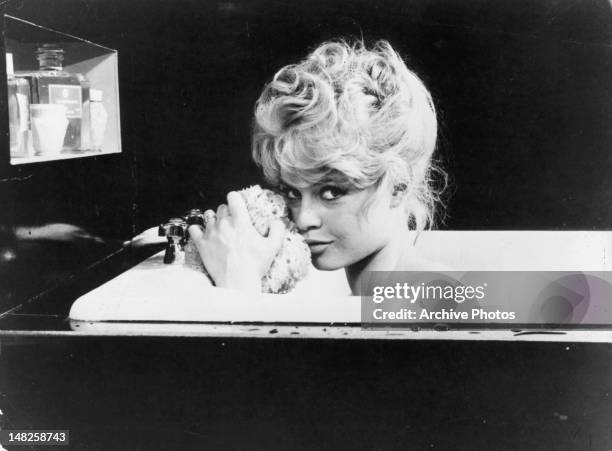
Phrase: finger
(276,234)
(195,233)
(197,237)
(222,211)
(224,226)
(209,217)
(237,207)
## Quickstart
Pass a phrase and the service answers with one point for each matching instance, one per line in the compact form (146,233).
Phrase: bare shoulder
(417,263)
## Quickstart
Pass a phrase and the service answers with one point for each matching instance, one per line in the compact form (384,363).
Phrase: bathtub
(155,298)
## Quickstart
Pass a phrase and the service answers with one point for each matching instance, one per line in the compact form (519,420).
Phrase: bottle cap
(51,49)
(95,95)
(50,56)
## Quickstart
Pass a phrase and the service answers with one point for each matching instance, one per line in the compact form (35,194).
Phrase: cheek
(362,228)
(344,223)
(377,222)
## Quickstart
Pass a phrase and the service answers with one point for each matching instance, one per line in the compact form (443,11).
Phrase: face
(338,228)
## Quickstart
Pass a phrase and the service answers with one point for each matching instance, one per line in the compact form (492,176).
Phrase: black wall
(522,89)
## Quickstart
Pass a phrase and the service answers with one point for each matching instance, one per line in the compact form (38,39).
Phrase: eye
(289,193)
(332,192)
(292,194)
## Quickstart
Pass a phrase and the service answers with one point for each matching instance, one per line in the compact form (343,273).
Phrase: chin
(326,264)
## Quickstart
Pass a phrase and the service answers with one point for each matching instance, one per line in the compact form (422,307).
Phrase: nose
(306,216)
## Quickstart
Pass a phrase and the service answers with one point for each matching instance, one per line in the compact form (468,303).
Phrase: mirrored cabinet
(62,95)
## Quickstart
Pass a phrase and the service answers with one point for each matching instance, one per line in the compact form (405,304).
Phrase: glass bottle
(98,118)
(18,109)
(52,84)
(86,120)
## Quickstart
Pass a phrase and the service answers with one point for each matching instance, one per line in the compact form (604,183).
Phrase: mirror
(62,95)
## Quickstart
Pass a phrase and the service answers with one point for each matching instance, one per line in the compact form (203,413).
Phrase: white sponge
(293,259)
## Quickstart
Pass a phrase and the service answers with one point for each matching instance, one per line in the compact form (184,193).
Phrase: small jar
(49,124)
(98,119)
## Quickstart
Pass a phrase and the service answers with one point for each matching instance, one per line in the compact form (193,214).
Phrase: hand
(233,252)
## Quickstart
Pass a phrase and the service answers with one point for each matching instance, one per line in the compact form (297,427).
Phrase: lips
(316,246)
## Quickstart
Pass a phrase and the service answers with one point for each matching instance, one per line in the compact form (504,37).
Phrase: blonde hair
(349,113)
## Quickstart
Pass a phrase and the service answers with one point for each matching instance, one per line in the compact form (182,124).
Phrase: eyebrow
(283,184)
(339,180)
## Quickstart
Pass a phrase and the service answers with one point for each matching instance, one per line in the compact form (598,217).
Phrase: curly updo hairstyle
(355,115)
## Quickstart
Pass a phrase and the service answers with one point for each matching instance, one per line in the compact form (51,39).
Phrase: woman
(347,136)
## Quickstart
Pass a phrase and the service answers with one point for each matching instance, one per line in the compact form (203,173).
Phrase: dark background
(135,393)
(522,90)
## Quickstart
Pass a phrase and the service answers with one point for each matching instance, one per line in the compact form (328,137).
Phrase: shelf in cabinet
(61,156)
